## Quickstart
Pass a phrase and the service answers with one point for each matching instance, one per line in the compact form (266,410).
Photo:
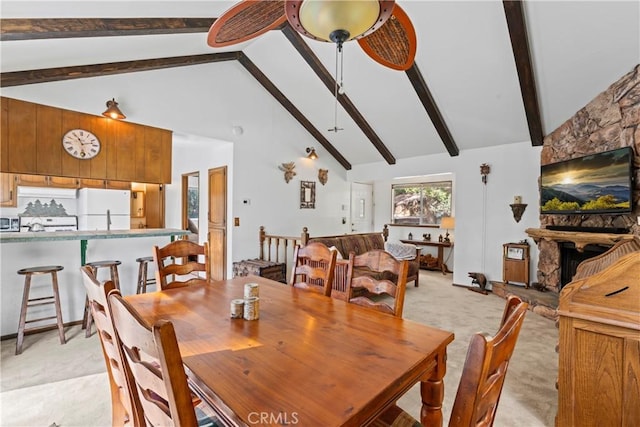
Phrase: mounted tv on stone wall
(594,184)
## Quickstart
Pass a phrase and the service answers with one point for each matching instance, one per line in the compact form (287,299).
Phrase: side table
(440,245)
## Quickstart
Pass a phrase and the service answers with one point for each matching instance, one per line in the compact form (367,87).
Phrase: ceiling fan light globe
(322,17)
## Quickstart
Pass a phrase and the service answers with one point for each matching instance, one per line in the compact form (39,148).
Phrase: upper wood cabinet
(31,143)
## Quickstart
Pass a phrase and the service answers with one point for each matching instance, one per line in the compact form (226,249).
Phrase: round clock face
(81,143)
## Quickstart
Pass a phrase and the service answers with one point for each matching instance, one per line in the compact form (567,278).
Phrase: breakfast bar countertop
(21,236)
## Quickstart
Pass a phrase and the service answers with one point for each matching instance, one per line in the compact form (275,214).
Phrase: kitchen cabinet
(8,195)
(46,181)
(18,144)
(154,205)
(515,263)
(599,347)
(31,143)
(103,183)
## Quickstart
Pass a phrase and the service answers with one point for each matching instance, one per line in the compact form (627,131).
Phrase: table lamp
(447,222)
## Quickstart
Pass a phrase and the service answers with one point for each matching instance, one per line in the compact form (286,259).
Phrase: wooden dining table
(309,360)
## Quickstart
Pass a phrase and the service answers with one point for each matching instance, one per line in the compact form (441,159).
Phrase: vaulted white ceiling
(578,48)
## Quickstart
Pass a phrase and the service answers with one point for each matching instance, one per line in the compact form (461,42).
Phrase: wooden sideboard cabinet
(599,349)
(515,263)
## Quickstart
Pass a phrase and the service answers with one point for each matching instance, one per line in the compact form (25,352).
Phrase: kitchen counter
(71,249)
(16,237)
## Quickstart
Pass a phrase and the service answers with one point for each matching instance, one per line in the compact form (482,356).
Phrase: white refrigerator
(102,209)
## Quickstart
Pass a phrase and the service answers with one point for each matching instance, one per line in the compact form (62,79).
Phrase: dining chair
(482,376)
(179,263)
(342,277)
(313,268)
(122,405)
(381,277)
(152,357)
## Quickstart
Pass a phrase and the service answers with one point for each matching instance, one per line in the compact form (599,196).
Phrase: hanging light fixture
(338,22)
(311,153)
(113,111)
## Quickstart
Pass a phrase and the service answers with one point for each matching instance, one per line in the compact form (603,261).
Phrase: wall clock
(81,144)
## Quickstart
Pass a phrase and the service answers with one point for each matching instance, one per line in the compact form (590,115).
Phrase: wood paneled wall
(31,143)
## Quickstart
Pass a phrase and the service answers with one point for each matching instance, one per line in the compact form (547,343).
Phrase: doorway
(191,202)
(361,208)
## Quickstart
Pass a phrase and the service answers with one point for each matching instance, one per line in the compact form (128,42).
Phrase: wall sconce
(447,222)
(484,171)
(311,153)
(113,111)
(518,208)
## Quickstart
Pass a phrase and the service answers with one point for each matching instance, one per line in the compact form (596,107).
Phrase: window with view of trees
(421,203)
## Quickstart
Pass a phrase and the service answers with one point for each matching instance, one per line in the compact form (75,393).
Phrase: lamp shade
(312,153)
(113,111)
(448,222)
(322,17)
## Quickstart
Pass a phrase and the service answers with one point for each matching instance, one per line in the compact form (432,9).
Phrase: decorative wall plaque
(307,195)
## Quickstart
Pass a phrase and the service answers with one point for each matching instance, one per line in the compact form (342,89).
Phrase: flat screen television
(593,184)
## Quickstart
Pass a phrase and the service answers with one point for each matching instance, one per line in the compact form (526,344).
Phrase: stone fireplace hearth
(550,260)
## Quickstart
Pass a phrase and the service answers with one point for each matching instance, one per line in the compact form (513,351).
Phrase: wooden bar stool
(32,302)
(143,279)
(112,265)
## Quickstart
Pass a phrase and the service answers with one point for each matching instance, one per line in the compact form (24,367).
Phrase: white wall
(479,210)
(195,154)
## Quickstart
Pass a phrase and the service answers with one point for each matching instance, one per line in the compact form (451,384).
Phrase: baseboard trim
(42,329)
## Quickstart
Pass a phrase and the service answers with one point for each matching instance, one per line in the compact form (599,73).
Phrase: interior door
(217,227)
(361,208)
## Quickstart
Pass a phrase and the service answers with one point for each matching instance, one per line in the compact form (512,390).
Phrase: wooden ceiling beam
(423,92)
(514,13)
(55,28)
(288,105)
(18,78)
(323,74)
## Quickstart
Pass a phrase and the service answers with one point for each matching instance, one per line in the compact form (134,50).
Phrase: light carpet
(67,384)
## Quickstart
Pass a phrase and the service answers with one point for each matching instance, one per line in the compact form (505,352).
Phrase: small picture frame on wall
(307,195)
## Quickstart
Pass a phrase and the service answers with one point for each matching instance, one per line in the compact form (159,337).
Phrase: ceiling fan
(382,28)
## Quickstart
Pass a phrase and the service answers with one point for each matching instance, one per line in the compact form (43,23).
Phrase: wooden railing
(277,248)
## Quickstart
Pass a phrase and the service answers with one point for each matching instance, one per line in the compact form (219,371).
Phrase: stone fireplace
(610,121)
(562,251)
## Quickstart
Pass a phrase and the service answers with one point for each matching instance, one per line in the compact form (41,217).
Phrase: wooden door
(361,208)
(217,218)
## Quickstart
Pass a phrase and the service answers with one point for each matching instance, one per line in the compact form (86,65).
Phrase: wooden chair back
(485,369)
(380,264)
(342,277)
(179,262)
(155,364)
(313,268)
(123,408)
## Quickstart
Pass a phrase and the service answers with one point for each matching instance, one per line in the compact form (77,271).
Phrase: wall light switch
(236,221)
(639,220)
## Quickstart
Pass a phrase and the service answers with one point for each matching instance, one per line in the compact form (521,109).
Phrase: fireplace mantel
(579,238)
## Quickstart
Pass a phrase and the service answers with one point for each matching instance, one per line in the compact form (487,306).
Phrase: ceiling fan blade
(246,20)
(394,44)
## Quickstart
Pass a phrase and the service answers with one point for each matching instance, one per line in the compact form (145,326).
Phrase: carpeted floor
(67,384)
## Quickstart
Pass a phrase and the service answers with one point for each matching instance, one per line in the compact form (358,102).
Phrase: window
(421,203)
